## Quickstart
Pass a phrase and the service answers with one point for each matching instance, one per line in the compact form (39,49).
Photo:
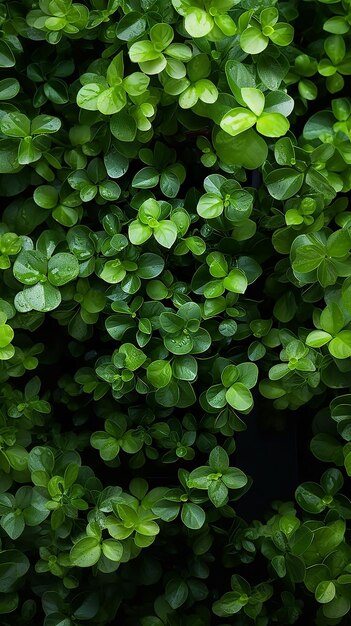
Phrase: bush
(174,246)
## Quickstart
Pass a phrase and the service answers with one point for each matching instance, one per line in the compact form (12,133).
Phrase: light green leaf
(41,297)
(198,23)
(111,100)
(159,373)
(15,125)
(138,233)
(87,96)
(253,41)
(272,125)
(325,591)
(239,397)
(247,150)
(112,549)
(340,346)
(237,120)
(210,206)
(166,233)
(318,338)
(254,99)
(86,552)
(134,358)
(236,281)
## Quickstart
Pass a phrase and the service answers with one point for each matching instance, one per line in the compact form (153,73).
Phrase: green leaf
(27,151)
(247,150)
(111,100)
(219,460)
(282,34)
(284,183)
(327,538)
(13,566)
(272,70)
(176,593)
(347,463)
(248,374)
(87,96)
(229,604)
(216,397)
(30,267)
(239,76)
(123,127)
(254,99)
(308,258)
(13,524)
(143,51)
(234,478)
(206,91)
(159,373)
(171,323)
(337,608)
(46,196)
(237,120)
(169,184)
(45,124)
(86,552)
(184,368)
(42,297)
(179,344)
(279,564)
(138,233)
(218,265)
(146,178)
(15,125)
(9,88)
(236,281)
(113,272)
(340,346)
(7,58)
(272,125)
(161,35)
(318,338)
(130,26)
(6,335)
(239,397)
(310,497)
(150,265)
(193,516)
(8,156)
(319,124)
(325,591)
(210,206)
(197,22)
(108,446)
(279,102)
(335,48)
(134,358)
(166,233)
(218,493)
(115,70)
(253,41)
(62,268)
(9,602)
(112,550)
(17,456)
(332,319)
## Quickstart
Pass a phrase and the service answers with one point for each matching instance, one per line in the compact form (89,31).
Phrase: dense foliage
(174,247)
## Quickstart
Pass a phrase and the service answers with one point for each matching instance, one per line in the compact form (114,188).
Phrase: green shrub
(174,248)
